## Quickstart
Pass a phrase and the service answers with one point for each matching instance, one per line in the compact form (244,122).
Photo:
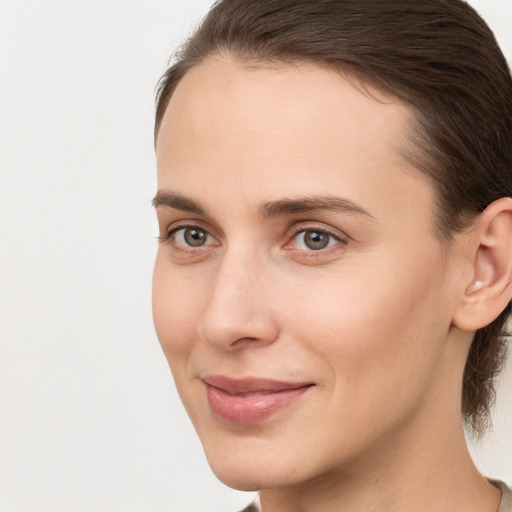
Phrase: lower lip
(253,409)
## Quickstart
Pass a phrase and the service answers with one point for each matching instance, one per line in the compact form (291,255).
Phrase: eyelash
(171,233)
(341,242)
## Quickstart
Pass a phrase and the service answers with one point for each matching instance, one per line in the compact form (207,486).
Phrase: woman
(334,273)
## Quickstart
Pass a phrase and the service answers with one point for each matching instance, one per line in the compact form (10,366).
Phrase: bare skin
(263,163)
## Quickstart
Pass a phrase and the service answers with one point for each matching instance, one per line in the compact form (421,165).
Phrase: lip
(250,401)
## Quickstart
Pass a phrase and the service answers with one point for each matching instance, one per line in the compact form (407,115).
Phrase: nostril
(244,341)
(254,329)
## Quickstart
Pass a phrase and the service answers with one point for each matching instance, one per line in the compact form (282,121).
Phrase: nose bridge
(238,308)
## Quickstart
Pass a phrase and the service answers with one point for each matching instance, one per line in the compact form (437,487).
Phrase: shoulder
(506,496)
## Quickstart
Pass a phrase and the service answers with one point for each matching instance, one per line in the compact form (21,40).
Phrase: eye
(192,236)
(314,240)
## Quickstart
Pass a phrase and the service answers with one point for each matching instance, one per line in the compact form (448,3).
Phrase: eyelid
(319,227)
(179,225)
(341,238)
(303,226)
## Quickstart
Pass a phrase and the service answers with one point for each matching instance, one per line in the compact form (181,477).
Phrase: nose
(239,310)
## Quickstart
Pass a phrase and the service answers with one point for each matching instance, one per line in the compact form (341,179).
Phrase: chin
(244,477)
(240,482)
(255,469)
(238,469)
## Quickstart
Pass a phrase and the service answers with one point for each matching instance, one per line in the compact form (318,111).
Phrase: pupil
(195,237)
(315,240)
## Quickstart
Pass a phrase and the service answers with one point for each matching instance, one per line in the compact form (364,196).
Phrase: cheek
(375,331)
(176,313)
(175,309)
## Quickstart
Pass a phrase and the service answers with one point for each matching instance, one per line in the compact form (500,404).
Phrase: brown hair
(439,57)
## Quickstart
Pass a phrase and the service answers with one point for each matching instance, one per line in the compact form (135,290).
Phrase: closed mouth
(250,401)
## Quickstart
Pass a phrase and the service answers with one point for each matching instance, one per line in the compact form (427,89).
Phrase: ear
(490,288)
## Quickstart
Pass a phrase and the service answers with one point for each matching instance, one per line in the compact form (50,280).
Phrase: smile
(250,401)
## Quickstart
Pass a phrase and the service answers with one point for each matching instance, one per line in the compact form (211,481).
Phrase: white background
(89,419)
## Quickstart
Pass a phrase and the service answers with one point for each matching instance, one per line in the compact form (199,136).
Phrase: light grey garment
(506,496)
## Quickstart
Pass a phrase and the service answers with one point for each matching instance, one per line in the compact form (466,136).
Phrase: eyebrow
(279,208)
(178,202)
(311,204)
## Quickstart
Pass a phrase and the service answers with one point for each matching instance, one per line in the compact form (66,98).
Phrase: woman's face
(300,295)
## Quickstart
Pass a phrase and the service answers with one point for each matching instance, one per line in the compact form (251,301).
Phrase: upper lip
(251,384)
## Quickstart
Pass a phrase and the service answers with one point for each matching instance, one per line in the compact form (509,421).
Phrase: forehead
(299,127)
(281,97)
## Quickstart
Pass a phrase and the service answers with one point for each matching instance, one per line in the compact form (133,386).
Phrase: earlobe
(490,288)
